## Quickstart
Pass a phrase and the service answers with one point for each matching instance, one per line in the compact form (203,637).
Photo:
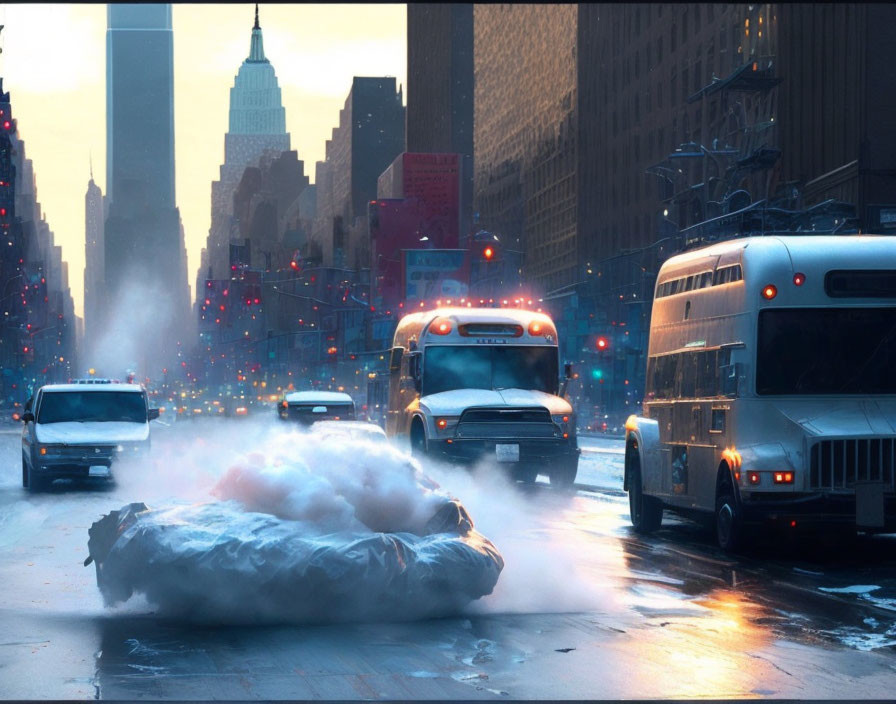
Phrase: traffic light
(488,253)
(597,373)
(602,343)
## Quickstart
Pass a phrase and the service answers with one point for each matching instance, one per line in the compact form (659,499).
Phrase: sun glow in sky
(54,66)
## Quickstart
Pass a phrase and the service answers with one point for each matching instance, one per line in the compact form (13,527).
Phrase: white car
(79,430)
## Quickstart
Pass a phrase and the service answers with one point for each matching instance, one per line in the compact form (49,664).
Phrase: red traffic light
(602,343)
(488,253)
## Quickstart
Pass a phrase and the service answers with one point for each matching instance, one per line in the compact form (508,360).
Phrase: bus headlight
(445,425)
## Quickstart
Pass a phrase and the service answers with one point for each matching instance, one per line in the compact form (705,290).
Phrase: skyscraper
(257,123)
(143,240)
(440,88)
(369,137)
(94,260)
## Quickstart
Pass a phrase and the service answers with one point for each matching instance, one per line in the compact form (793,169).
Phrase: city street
(583,609)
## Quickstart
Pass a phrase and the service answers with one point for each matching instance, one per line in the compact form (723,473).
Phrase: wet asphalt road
(583,609)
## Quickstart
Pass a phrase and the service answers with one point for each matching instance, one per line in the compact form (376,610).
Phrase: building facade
(94,259)
(525,135)
(144,247)
(256,122)
(369,137)
(440,89)
(38,329)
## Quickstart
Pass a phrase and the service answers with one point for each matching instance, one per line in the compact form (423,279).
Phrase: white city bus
(771,387)
(473,383)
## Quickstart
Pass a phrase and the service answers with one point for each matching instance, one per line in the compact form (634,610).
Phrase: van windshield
(450,367)
(806,351)
(89,406)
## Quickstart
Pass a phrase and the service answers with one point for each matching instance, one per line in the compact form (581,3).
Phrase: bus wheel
(646,511)
(563,474)
(729,531)
(418,440)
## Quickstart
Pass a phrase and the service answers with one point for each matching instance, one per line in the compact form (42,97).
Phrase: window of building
(659,51)
(698,76)
(672,37)
(696,19)
(684,84)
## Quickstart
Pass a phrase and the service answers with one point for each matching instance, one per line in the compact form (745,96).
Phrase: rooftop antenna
(257,26)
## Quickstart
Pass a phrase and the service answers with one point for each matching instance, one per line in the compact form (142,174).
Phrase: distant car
(356,430)
(80,430)
(306,407)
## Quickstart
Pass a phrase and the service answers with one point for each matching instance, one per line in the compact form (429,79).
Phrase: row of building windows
(722,275)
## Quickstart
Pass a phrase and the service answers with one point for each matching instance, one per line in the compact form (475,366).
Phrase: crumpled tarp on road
(218,562)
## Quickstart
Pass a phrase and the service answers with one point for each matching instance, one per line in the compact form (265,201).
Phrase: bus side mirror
(27,417)
(567,371)
(152,413)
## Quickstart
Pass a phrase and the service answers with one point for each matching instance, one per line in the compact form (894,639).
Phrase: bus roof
(836,251)
(414,324)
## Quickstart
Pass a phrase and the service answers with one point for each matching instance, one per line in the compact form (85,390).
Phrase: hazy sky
(54,63)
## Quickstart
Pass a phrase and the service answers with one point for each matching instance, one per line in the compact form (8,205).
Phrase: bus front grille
(497,423)
(839,464)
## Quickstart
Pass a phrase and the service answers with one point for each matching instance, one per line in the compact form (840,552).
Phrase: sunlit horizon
(53,65)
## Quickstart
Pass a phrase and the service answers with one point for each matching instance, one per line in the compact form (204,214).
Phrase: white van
(771,387)
(79,430)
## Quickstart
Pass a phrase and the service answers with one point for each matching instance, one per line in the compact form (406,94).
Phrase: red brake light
(799,279)
(488,253)
(442,423)
(783,477)
(440,326)
(753,477)
(769,292)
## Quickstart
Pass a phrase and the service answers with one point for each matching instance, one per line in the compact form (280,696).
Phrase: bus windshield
(450,367)
(88,406)
(826,351)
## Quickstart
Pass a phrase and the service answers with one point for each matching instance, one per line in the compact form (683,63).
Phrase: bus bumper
(819,510)
(536,453)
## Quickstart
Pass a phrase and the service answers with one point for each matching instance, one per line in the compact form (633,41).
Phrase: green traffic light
(597,373)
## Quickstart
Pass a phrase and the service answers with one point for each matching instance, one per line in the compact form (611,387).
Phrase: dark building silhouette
(369,137)
(440,88)
(94,261)
(144,249)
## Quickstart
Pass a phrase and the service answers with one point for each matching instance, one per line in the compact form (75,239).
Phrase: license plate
(98,470)
(507,453)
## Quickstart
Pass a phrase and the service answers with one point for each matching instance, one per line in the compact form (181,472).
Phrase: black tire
(36,482)
(418,440)
(527,475)
(646,512)
(563,474)
(729,526)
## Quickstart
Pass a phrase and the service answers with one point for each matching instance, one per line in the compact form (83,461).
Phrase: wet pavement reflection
(584,609)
